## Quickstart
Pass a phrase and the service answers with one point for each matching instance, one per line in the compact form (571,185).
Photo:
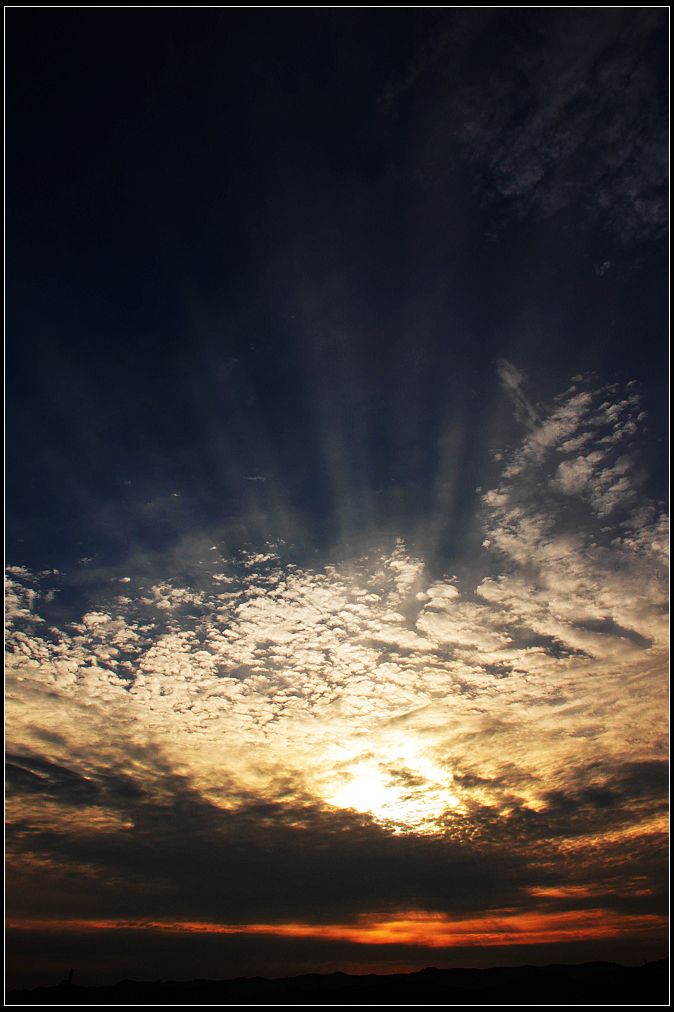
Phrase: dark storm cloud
(189,859)
(33,774)
(603,786)
(29,773)
(179,856)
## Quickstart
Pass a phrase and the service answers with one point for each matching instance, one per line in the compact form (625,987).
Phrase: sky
(336,477)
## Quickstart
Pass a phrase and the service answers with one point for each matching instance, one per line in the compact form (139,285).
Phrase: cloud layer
(269,742)
(567,115)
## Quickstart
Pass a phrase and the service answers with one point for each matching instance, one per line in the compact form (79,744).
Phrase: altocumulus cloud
(275,741)
(578,112)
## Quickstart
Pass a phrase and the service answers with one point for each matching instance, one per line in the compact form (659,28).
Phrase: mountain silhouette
(559,984)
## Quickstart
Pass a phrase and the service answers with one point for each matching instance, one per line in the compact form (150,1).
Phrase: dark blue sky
(286,245)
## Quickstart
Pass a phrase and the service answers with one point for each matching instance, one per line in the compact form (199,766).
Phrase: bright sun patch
(397,785)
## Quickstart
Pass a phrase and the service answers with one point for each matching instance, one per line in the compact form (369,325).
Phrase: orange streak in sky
(410,928)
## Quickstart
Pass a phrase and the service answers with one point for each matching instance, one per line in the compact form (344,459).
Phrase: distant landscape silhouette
(561,984)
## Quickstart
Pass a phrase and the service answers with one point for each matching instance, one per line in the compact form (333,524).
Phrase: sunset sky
(336,471)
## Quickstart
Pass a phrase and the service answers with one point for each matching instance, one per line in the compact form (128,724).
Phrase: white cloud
(372,679)
(513,381)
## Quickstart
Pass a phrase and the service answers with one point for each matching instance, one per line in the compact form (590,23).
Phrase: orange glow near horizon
(415,928)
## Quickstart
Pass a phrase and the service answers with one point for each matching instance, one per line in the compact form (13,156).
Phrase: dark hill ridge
(584,984)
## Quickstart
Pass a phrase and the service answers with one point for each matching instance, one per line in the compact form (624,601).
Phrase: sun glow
(395,783)
(415,927)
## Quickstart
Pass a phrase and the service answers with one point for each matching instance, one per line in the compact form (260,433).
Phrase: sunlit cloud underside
(417,928)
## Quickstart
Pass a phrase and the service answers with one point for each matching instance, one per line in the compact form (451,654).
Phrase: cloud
(295,741)
(561,109)
(513,381)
